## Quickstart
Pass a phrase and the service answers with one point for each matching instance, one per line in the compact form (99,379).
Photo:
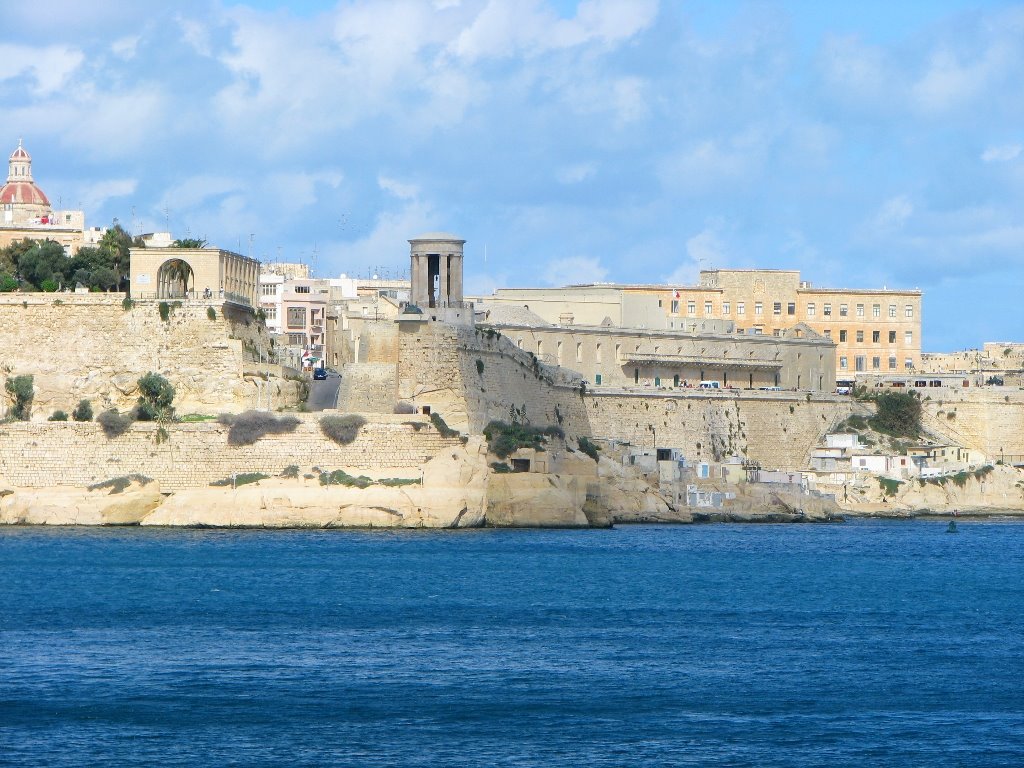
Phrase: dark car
(319,374)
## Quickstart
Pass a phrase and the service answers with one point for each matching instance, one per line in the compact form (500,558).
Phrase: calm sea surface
(869,643)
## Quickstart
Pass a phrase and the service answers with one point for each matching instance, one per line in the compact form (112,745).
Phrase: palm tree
(175,272)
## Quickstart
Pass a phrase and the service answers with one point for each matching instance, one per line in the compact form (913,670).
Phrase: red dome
(24,192)
(20,153)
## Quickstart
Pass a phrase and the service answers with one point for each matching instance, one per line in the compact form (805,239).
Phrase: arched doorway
(175,280)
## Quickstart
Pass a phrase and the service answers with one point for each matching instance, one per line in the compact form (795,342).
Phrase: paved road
(324,394)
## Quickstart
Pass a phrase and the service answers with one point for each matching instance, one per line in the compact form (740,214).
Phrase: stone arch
(175,279)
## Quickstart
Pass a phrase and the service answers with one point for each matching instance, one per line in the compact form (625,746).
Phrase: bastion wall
(46,454)
(88,346)
(989,420)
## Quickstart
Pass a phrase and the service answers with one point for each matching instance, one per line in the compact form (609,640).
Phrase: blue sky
(867,144)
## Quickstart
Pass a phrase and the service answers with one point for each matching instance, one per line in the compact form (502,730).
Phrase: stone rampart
(989,420)
(46,454)
(777,429)
(89,346)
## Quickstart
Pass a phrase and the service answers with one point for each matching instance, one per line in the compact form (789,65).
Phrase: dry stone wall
(195,455)
(89,346)
(989,420)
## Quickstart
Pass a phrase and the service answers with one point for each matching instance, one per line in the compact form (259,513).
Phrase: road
(323,394)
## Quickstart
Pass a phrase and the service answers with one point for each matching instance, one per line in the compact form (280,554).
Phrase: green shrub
(587,447)
(442,427)
(396,482)
(49,285)
(479,367)
(193,418)
(248,427)
(242,478)
(899,414)
(7,283)
(341,477)
(211,313)
(342,429)
(165,311)
(504,439)
(58,416)
(21,389)
(156,396)
(290,472)
(118,484)
(404,408)
(114,424)
(83,411)
(500,467)
(127,304)
(889,485)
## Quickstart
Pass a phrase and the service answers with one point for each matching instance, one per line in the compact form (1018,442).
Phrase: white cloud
(50,67)
(97,193)
(125,47)
(397,188)
(1001,154)
(574,174)
(574,269)
(894,213)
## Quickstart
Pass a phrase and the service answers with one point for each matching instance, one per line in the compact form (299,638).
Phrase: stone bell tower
(436,277)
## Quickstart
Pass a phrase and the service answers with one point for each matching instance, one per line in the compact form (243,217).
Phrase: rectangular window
(691,308)
(270,313)
(579,353)
(827,310)
(876,363)
(597,378)
(828,334)
(908,310)
(843,362)
(892,362)
(892,337)
(860,337)
(876,336)
(908,364)
(842,335)
(892,310)
(740,308)
(296,317)
(597,353)
(726,307)
(558,352)
(908,338)
(758,308)
(876,310)
(297,339)
(860,310)
(844,310)
(675,306)
(791,308)
(776,332)
(860,362)
(777,308)
(268,289)
(618,352)
(302,289)
(708,308)
(810,309)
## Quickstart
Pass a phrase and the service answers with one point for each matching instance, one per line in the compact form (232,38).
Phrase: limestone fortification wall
(775,428)
(88,346)
(41,455)
(989,420)
(471,376)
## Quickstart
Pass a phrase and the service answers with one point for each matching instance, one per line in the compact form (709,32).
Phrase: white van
(710,385)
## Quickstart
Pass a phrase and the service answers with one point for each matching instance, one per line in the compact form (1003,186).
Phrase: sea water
(868,643)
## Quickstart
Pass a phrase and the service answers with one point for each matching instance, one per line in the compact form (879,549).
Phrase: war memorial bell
(435,271)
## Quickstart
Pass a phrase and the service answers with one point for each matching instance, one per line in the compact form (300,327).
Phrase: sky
(868,144)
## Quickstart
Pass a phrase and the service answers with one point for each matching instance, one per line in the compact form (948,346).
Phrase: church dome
(22,192)
(20,154)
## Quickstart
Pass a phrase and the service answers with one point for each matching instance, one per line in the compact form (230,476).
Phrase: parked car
(319,374)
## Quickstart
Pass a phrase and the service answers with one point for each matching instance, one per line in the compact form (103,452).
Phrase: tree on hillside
(157,394)
(189,242)
(116,245)
(899,414)
(41,262)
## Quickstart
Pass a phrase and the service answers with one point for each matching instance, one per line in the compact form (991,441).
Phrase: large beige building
(873,330)
(194,273)
(26,213)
